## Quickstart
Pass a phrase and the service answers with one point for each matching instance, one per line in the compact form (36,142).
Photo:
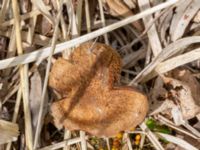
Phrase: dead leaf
(9,131)
(180,90)
(121,9)
(181,94)
(130,3)
(184,75)
(157,98)
(44,26)
(35,96)
(187,13)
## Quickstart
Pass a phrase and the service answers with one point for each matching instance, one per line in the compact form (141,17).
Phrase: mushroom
(92,99)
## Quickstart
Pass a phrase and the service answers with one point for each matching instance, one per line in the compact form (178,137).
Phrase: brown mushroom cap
(92,102)
(84,63)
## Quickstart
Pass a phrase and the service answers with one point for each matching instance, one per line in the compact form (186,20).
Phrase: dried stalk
(87,12)
(24,78)
(103,20)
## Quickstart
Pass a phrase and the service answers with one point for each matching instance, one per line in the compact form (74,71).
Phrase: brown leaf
(44,26)
(121,9)
(181,94)
(186,76)
(92,102)
(181,89)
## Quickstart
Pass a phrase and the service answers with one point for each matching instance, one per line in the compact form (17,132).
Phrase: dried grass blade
(152,32)
(67,136)
(178,61)
(178,141)
(87,12)
(43,53)
(185,19)
(40,116)
(173,126)
(181,6)
(128,141)
(83,140)
(24,78)
(22,17)
(103,20)
(151,137)
(62,144)
(79,15)
(44,10)
(31,27)
(169,51)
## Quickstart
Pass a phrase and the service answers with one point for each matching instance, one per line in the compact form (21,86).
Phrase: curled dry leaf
(181,89)
(92,102)
(121,9)
(186,15)
(184,75)
(181,93)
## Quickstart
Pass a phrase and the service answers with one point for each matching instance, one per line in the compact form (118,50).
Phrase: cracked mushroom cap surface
(92,101)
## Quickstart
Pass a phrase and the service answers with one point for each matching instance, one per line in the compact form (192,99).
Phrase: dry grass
(35,33)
